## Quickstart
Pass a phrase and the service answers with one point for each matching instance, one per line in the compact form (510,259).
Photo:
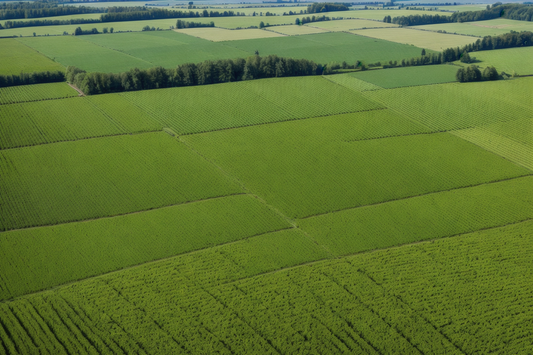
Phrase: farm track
(426,241)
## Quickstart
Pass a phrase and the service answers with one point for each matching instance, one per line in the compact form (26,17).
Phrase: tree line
(326,7)
(511,11)
(207,72)
(187,24)
(32,78)
(472,73)
(45,22)
(309,19)
(152,14)
(23,10)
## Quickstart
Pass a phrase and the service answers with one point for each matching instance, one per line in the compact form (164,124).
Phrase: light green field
(294,30)
(72,181)
(30,256)
(430,216)
(17,58)
(458,106)
(329,47)
(408,76)
(366,303)
(347,25)
(347,80)
(215,107)
(508,60)
(26,93)
(481,28)
(304,176)
(73,51)
(421,39)
(221,34)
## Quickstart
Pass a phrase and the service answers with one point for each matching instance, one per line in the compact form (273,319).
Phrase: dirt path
(76,88)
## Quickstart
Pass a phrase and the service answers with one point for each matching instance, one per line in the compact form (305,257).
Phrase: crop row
(457,106)
(69,181)
(412,299)
(37,92)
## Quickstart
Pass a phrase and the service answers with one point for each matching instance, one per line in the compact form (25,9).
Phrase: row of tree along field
(207,72)
(519,12)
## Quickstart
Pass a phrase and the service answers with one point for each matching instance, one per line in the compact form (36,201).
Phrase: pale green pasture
(509,60)
(481,28)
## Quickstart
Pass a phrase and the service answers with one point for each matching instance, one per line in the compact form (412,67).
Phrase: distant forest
(24,10)
(325,7)
(511,11)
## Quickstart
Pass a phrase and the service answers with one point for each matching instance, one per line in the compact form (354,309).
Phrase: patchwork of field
(220,34)
(396,301)
(347,25)
(508,60)
(422,39)
(26,93)
(406,76)
(481,28)
(294,30)
(18,58)
(45,185)
(384,211)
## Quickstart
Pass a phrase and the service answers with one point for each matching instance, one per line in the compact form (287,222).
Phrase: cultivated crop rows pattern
(104,177)
(395,301)
(25,93)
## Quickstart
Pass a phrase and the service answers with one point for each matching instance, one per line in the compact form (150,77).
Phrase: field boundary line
(387,137)
(263,273)
(8,300)
(124,214)
(104,113)
(420,195)
(37,100)
(116,50)
(432,240)
(80,139)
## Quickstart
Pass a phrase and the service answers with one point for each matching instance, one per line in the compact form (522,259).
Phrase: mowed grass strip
(458,106)
(73,51)
(39,258)
(303,176)
(430,216)
(49,121)
(26,93)
(18,58)
(421,39)
(221,34)
(72,181)
(408,76)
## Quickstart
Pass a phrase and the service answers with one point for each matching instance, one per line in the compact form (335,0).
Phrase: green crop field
(508,60)
(90,248)
(294,30)
(397,301)
(437,215)
(357,173)
(327,47)
(221,34)
(25,93)
(51,121)
(481,28)
(18,58)
(408,76)
(219,107)
(379,211)
(126,178)
(421,39)
(456,106)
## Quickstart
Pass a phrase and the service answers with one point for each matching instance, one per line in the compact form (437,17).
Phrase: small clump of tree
(472,73)
(326,7)
(190,24)
(32,78)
